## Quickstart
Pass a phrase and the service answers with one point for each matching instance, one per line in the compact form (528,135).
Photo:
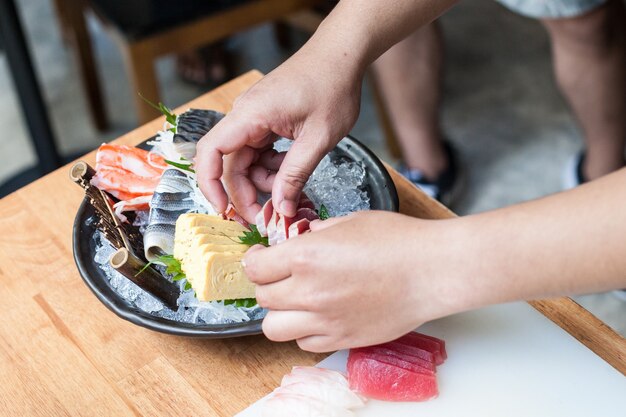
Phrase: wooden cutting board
(507,360)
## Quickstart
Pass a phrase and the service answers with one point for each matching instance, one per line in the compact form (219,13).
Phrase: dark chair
(147,29)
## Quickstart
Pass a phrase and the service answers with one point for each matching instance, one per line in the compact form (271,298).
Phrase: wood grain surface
(63,353)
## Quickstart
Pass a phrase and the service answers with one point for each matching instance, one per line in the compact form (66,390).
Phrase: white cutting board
(507,360)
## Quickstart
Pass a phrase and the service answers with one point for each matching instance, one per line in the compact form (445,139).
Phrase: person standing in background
(588,40)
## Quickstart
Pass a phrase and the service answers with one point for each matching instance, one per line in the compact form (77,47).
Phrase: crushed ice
(337,183)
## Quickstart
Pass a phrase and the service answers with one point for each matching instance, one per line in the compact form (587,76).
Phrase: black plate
(378,183)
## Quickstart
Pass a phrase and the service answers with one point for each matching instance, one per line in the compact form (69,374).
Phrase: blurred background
(501,107)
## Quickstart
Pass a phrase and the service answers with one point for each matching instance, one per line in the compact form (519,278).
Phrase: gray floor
(501,108)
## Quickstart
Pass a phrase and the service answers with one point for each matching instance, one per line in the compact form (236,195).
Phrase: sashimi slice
(427,366)
(231,214)
(396,361)
(305,202)
(416,339)
(327,374)
(263,217)
(440,342)
(411,350)
(299,227)
(295,405)
(272,233)
(333,394)
(387,382)
(305,213)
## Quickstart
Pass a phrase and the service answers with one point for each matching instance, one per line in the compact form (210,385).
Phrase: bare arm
(313,98)
(338,286)
(569,243)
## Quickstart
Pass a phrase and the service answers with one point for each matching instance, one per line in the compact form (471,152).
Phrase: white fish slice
(329,393)
(295,405)
(321,373)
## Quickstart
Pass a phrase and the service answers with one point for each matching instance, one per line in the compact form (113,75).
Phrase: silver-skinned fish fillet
(173,195)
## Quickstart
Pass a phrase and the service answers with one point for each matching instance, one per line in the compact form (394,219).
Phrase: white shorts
(551,9)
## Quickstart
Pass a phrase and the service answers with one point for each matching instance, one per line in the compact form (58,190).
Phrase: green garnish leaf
(323,213)
(253,237)
(184,167)
(242,302)
(172,268)
(170,117)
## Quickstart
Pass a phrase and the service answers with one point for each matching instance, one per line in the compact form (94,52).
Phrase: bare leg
(410,78)
(590,65)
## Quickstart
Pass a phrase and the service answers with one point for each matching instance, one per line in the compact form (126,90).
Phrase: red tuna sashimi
(264,216)
(395,361)
(272,229)
(417,340)
(384,381)
(305,202)
(299,227)
(382,350)
(410,350)
(305,213)
(440,342)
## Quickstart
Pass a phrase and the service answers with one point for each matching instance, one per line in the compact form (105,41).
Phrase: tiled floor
(501,108)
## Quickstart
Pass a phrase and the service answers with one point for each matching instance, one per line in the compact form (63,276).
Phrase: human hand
(309,99)
(354,281)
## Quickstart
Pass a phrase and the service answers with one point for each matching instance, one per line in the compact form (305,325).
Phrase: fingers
(267,265)
(317,225)
(293,174)
(241,189)
(262,178)
(231,134)
(271,159)
(281,326)
(318,344)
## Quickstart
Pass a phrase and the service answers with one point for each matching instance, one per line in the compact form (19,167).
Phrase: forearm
(570,243)
(356,32)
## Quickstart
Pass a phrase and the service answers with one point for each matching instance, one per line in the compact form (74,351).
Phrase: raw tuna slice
(272,232)
(263,217)
(305,202)
(384,381)
(400,363)
(428,367)
(410,350)
(417,340)
(441,343)
(298,228)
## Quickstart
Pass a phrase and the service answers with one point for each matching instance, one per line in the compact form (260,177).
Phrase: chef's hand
(353,281)
(314,108)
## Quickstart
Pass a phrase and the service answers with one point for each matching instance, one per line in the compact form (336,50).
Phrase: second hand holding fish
(338,287)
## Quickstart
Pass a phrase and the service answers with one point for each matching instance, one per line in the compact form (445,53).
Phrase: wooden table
(64,353)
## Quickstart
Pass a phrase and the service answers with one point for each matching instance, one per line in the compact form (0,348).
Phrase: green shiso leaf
(170,116)
(184,167)
(253,237)
(242,302)
(323,213)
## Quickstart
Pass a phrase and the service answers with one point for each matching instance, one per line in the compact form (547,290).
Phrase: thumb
(297,167)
